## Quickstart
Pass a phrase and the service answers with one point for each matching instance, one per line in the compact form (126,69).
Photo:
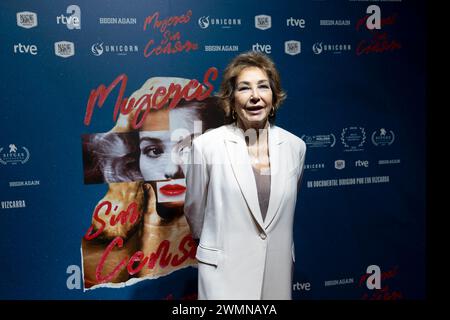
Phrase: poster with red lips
(138,230)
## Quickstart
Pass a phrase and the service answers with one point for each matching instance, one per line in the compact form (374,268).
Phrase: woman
(242,188)
(145,167)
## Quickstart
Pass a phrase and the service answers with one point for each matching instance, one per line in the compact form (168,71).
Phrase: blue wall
(340,100)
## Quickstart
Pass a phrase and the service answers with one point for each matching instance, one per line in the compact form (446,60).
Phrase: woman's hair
(116,154)
(232,71)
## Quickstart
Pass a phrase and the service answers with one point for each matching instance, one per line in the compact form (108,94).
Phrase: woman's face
(253,97)
(164,146)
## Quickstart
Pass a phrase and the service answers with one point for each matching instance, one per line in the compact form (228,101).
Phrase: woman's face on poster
(164,143)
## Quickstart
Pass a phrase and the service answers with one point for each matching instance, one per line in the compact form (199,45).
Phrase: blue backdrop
(355,95)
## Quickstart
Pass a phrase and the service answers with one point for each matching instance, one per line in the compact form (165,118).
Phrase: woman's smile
(254,110)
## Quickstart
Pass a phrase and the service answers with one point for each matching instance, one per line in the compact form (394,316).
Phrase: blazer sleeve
(302,162)
(197,179)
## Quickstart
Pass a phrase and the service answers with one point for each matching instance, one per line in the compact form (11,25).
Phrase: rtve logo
(292,22)
(26,48)
(362,163)
(73,21)
(266,48)
(305,286)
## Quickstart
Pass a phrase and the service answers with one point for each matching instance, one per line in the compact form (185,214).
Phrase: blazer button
(263,236)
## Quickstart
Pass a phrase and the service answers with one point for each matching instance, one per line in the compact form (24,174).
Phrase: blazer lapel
(240,162)
(277,178)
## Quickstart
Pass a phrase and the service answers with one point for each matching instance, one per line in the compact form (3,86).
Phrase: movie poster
(138,228)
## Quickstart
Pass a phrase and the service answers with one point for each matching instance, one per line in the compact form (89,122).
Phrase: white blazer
(241,256)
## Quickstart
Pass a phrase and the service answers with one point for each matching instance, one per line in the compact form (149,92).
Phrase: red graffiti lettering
(383,294)
(148,101)
(167,22)
(384,21)
(384,275)
(169,48)
(162,257)
(131,214)
(112,274)
(378,44)
(103,93)
(186,252)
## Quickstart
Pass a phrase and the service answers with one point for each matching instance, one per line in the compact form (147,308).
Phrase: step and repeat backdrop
(86,139)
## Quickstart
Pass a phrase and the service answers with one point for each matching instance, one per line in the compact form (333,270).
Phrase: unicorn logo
(203,22)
